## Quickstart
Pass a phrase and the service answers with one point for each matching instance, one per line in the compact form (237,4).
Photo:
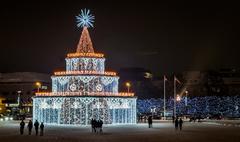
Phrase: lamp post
(186,101)
(38,84)
(19,101)
(19,93)
(178,99)
(128,85)
(153,110)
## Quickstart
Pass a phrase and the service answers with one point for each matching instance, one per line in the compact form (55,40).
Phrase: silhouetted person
(41,129)
(22,124)
(30,125)
(36,125)
(92,121)
(94,125)
(180,123)
(100,125)
(173,119)
(150,121)
(176,123)
(145,118)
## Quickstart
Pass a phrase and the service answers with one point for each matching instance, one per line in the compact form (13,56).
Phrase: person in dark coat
(41,129)
(150,121)
(92,121)
(36,125)
(176,124)
(173,119)
(30,125)
(180,123)
(94,125)
(100,125)
(22,124)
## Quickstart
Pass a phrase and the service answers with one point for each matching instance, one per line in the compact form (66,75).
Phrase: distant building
(17,89)
(223,82)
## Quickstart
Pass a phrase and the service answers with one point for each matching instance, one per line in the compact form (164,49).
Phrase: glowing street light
(38,84)
(178,98)
(128,85)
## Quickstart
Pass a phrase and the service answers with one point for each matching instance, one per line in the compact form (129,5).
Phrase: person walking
(176,124)
(41,129)
(100,125)
(36,125)
(92,125)
(150,121)
(30,125)
(173,119)
(22,124)
(180,123)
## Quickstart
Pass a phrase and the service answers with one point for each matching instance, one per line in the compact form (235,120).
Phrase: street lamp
(153,110)
(178,98)
(38,84)
(128,85)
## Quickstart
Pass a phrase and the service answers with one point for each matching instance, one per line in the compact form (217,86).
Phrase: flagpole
(174,99)
(164,99)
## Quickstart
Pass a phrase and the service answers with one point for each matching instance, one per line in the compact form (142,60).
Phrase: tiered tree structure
(85,90)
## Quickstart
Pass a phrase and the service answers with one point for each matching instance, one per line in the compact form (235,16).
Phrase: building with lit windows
(84,91)
(18,88)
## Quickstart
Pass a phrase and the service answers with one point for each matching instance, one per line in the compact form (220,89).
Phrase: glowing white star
(85,19)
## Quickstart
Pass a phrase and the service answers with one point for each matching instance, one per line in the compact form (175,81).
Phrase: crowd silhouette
(96,125)
(30,126)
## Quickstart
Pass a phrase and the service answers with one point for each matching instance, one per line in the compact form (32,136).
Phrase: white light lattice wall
(80,110)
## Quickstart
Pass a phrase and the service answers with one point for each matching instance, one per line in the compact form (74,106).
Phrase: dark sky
(163,37)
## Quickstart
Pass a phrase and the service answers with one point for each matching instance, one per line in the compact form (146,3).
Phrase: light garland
(108,73)
(120,94)
(94,55)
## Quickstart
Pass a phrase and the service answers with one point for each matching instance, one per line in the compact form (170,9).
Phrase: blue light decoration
(226,106)
(84,91)
(85,19)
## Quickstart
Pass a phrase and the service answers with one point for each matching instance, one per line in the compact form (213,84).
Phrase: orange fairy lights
(120,94)
(85,72)
(80,54)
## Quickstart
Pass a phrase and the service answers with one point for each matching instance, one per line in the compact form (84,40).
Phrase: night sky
(162,37)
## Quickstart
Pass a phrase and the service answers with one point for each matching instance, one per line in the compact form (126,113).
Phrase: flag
(175,79)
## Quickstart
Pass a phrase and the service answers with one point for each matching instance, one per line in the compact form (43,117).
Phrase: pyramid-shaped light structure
(85,44)
(84,91)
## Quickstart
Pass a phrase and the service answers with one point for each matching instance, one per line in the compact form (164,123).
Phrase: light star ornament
(85,19)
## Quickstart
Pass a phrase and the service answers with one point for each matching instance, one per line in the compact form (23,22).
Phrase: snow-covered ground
(161,132)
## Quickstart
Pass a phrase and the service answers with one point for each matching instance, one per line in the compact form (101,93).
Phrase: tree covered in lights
(85,90)
(226,106)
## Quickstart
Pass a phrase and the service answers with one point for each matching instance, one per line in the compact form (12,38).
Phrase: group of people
(30,126)
(96,125)
(178,123)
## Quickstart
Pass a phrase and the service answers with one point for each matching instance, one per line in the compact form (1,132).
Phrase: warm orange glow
(38,84)
(98,55)
(85,72)
(128,84)
(121,94)
(178,98)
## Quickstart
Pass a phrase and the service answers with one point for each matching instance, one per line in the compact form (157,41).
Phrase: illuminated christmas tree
(85,90)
